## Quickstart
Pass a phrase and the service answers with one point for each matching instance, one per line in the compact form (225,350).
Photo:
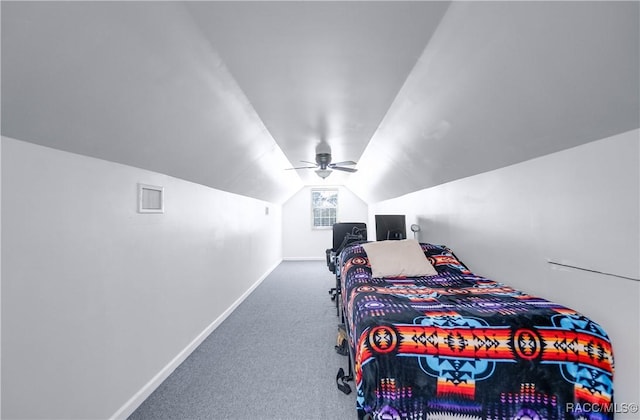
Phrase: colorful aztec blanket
(458,345)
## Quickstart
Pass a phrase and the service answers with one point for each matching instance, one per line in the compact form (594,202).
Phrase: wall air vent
(150,199)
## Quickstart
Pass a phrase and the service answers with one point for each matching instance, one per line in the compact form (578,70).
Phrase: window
(324,207)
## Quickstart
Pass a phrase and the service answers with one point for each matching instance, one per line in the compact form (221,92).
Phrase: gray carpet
(272,358)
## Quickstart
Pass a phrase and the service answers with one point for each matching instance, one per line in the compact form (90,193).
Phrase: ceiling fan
(323,165)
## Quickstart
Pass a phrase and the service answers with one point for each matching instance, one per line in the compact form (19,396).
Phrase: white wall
(97,299)
(579,207)
(299,239)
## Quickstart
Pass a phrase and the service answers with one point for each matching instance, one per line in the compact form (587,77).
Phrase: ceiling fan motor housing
(323,159)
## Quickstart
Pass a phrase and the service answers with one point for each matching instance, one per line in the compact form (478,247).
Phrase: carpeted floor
(272,358)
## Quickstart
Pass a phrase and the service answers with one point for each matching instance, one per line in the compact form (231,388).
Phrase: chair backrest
(340,231)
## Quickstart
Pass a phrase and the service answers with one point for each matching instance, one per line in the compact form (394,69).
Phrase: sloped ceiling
(229,94)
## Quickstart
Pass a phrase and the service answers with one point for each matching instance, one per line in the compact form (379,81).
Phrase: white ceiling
(229,94)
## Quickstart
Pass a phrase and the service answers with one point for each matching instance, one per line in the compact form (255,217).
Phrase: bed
(453,344)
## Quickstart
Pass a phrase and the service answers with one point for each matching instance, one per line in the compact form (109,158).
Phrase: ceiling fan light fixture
(323,173)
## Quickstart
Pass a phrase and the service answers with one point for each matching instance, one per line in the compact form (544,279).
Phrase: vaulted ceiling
(230,94)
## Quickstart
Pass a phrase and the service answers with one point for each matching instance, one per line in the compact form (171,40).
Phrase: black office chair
(343,235)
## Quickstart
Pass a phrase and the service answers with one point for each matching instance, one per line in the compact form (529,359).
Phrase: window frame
(313,207)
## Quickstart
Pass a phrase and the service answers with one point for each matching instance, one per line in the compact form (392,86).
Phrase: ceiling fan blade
(346,162)
(340,168)
(312,163)
(301,167)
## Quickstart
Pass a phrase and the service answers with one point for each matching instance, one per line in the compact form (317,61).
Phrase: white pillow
(403,258)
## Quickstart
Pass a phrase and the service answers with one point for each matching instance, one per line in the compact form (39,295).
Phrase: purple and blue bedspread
(458,345)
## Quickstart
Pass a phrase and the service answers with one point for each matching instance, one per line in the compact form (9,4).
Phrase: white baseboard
(138,398)
(304,259)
